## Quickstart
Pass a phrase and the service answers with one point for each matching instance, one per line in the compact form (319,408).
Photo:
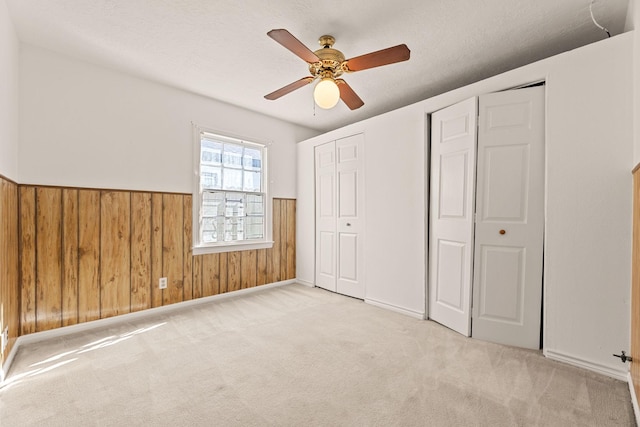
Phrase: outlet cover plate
(163,283)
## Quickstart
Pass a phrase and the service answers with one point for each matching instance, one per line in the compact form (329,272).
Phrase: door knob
(348,224)
(503,231)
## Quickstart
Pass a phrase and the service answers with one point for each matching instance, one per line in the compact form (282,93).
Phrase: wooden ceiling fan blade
(386,56)
(289,88)
(348,96)
(286,39)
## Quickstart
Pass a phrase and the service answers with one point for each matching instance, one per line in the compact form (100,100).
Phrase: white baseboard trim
(7,363)
(81,327)
(634,398)
(306,283)
(559,356)
(401,310)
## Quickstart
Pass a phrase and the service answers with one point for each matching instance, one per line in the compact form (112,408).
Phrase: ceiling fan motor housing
(330,59)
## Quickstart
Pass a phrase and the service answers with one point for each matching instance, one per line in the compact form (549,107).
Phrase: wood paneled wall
(9,292)
(635,284)
(91,254)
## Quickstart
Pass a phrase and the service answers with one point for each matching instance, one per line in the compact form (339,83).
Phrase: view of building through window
(232,196)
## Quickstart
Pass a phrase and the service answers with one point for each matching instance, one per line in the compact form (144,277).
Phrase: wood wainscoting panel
(635,285)
(224,277)
(140,251)
(48,258)
(290,239)
(269,275)
(233,271)
(276,253)
(69,257)
(261,275)
(248,269)
(197,277)
(9,264)
(90,254)
(210,274)
(27,260)
(187,256)
(281,260)
(172,249)
(156,249)
(115,253)
(283,239)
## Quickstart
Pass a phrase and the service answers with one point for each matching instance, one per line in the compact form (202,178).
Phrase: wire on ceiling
(594,19)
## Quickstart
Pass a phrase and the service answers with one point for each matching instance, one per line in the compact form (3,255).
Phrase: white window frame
(200,248)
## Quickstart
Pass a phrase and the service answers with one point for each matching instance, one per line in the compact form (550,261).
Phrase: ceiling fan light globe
(326,93)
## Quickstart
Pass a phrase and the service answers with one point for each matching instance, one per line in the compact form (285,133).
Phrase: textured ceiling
(220,48)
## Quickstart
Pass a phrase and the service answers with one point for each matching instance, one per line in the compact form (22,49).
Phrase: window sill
(231,247)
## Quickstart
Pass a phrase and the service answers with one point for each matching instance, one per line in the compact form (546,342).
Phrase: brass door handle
(503,232)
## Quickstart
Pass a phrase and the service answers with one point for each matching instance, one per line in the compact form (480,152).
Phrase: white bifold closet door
(340,216)
(453,179)
(487,282)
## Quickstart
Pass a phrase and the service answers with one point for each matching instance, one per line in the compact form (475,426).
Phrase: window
(230,198)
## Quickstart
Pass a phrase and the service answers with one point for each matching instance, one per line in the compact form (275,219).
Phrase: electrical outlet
(163,283)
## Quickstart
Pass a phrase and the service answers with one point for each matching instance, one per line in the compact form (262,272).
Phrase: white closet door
(350,218)
(326,216)
(452,192)
(507,293)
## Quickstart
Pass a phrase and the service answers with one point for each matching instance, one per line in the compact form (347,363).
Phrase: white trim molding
(246,245)
(634,398)
(411,313)
(7,363)
(306,283)
(587,364)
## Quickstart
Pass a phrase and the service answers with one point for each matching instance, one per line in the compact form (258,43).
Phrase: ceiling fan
(327,64)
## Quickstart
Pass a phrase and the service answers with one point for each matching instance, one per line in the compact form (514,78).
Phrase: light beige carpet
(297,356)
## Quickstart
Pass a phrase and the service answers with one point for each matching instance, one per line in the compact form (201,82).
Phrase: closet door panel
(452,192)
(326,257)
(350,218)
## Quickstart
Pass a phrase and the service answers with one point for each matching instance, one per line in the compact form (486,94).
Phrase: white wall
(305,211)
(588,242)
(395,253)
(9,101)
(589,151)
(86,126)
